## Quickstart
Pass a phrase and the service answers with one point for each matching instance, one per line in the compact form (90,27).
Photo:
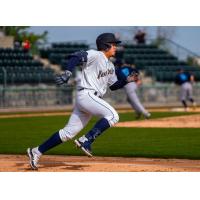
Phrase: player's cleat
(84,145)
(147,116)
(34,158)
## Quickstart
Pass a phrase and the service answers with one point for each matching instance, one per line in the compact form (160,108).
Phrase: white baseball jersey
(98,72)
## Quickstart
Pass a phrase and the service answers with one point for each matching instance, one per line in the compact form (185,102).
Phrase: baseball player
(122,71)
(185,80)
(98,73)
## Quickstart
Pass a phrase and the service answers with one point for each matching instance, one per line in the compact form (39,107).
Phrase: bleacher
(156,62)
(59,52)
(20,68)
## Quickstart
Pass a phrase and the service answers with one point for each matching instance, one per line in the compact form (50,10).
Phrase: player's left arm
(120,83)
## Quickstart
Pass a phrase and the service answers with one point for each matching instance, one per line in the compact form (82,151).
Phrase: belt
(95,93)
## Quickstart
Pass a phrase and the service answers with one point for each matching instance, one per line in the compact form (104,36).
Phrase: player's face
(112,51)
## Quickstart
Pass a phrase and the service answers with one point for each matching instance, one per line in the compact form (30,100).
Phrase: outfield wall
(29,96)
(155,95)
(35,96)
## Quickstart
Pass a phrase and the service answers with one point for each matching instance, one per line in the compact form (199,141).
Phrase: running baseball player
(98,73)
(185,80)
(122,72)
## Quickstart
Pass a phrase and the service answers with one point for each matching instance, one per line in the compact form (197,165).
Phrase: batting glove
(63,78)
(133,77)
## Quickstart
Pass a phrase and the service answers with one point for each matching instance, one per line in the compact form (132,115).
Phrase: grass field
(16,134)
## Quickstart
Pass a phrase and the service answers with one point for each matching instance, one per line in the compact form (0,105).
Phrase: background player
(122,71)
(185,80)
(98,73)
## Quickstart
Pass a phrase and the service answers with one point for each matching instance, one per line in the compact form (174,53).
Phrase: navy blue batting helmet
(105,40)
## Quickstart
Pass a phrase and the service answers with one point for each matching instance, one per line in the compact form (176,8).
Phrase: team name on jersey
(102,73)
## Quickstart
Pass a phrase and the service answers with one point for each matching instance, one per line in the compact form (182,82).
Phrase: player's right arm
(74,60)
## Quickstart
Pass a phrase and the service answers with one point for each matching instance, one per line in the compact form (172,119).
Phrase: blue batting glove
(63,78)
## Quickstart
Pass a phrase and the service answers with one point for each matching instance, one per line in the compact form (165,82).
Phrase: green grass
(16,134)
(152,142)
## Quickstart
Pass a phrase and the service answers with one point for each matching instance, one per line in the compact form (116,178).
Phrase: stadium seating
(155,62)
(21,68)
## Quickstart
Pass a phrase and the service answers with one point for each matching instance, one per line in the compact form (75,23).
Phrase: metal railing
(181,52)
(178,50)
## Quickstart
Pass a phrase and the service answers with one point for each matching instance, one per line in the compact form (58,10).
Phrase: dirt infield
(66,113)
(191,121)
(19,163)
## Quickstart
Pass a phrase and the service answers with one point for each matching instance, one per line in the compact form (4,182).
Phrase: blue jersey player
(185,80)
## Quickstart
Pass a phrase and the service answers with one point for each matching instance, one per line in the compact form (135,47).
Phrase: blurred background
(31,56)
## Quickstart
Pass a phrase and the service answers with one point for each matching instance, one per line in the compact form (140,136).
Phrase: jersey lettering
(103,74)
